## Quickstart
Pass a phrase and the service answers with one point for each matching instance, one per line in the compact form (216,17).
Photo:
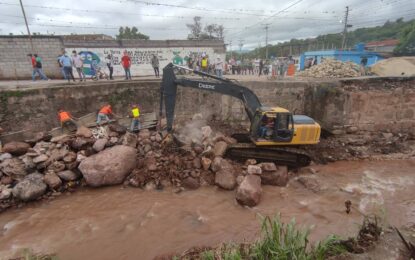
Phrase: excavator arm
(168,91)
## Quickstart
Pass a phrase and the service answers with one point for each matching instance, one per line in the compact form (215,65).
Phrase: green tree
(406,44)
(209,32)
(130,33)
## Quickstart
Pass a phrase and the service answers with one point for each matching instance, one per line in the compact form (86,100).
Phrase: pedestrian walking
(78,63)
(155,64)
(36,67)
(126,64)
(110,64)
(66,63)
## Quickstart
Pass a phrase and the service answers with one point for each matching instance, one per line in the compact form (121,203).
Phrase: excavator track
(280,155)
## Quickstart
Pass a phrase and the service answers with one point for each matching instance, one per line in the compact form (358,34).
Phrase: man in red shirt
(126,64)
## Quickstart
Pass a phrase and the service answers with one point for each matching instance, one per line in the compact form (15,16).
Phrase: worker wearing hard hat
(135,115)
(104,113)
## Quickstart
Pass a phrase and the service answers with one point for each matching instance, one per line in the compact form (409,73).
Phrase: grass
(277,241)
(28,254)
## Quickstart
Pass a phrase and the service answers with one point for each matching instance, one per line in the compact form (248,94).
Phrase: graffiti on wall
(141,58)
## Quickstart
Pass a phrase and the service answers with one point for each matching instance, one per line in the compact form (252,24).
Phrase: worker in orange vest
(104,114)
(135,115)
(66,119)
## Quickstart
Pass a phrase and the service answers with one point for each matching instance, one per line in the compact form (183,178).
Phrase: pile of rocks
(331,68)
(47,167)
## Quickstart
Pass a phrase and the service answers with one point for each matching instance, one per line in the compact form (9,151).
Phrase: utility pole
(266,39)
(346,17)
(230,47)
(27,25)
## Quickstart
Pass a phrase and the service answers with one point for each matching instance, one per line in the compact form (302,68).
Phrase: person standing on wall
(126,64)
(155,64)
(261,67)
(219,67)
(61,67)
(204,63)
(66,63)
(38,65)
(78,63)
(110,64)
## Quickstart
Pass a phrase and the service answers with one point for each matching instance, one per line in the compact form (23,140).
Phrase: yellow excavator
(275,133)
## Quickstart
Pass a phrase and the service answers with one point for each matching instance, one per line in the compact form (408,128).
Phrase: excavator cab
(277,126)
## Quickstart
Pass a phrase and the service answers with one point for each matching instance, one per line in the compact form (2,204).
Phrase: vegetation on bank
(287,241)
(399,29)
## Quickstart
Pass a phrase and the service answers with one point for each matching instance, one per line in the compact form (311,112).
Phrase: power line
(121,13)
(275,14)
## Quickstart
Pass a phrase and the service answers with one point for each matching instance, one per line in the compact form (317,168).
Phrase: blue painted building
(355,56)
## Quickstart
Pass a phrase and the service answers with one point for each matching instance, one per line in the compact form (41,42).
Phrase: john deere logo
(206,86)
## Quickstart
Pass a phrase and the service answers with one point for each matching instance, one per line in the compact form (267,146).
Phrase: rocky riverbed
(45,168)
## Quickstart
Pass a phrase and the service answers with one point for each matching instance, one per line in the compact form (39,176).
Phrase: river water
(129,223)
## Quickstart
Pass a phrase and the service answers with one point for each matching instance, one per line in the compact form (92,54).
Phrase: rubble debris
(66,162)
(330,68)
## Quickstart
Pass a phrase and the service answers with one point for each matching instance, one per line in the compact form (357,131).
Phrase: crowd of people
(215,66)
(97,70)
(278,66)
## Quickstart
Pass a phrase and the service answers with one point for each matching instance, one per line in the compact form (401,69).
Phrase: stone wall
(14,63)
(370,105)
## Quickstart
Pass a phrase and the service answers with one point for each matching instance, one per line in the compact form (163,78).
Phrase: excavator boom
(168,91)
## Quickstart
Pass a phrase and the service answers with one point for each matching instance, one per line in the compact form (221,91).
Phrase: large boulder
(110,166)
(16,148)
(249,191)
(30,188)
(225,179)
(220,164)
(14,168)
(278,177)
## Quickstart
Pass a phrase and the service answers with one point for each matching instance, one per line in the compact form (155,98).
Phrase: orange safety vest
(64,116)
(106,110)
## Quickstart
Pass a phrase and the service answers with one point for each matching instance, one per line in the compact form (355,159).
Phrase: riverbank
(128,223)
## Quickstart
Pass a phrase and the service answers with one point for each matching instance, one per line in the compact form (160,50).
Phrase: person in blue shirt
(94,69)
(66,63)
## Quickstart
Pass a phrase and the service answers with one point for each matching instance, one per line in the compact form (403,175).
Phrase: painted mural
(141,58)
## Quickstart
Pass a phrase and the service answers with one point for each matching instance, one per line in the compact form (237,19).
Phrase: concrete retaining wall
(370,105)
(14,63)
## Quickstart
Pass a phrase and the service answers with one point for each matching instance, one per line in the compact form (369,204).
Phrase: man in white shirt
(219,67)
(78,63)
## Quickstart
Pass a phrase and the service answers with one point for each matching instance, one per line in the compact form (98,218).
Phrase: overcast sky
(161,19)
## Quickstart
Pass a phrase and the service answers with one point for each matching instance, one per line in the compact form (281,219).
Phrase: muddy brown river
(129,223)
